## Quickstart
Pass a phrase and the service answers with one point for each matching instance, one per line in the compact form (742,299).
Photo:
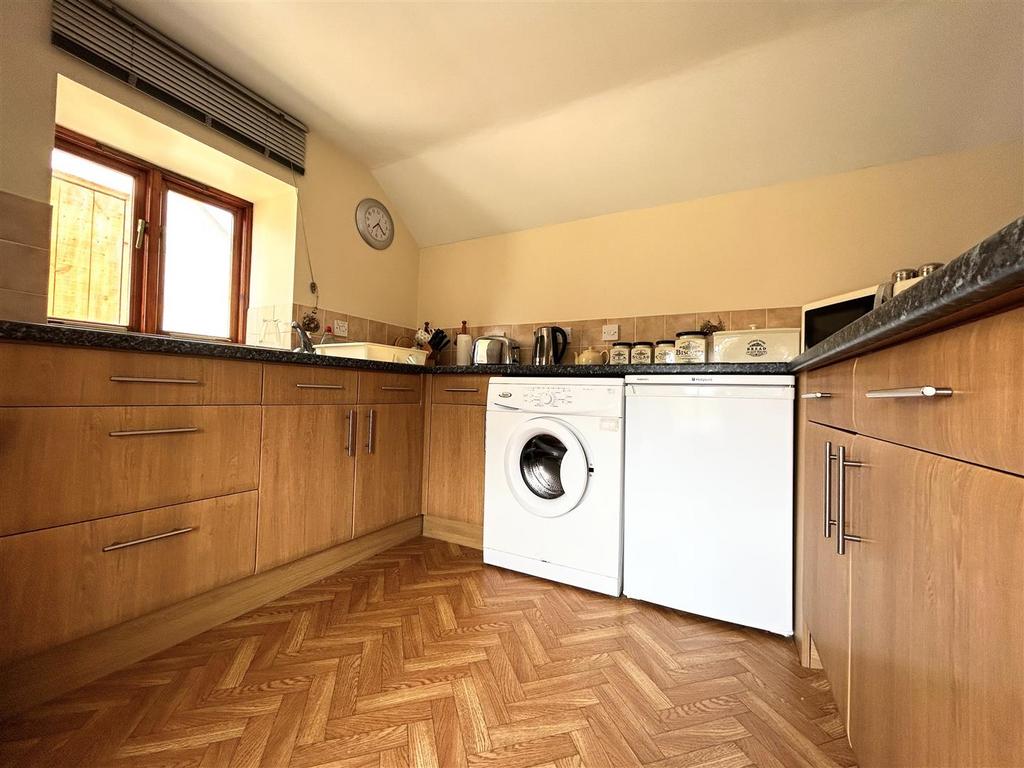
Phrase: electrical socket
(610,332)
(568,334)
(340,328)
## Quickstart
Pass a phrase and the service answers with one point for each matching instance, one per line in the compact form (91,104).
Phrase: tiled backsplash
(24,258)
(264,321)
(587,333)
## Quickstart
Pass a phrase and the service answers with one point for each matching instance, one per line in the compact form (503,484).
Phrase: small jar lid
(622,343)
(689,333)
(643,344)
(667,341)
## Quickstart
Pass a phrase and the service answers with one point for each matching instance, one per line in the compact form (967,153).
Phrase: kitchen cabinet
(918,621)
(937,610)
(826,605)
(66,465)
(388,465)
(307,481)
(455,464)
(71,580)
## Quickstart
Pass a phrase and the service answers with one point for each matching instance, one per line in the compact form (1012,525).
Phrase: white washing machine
(553,479)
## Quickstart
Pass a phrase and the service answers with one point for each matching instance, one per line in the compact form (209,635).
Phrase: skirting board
(455,531)
(39,678)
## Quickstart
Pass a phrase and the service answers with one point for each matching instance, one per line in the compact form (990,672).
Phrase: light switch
(610,332)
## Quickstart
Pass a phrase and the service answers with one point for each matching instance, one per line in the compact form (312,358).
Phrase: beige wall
(775,246)
(352,276)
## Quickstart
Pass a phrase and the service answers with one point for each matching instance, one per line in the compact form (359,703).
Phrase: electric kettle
(549,345)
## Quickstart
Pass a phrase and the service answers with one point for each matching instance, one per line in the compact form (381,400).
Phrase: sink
(364,350)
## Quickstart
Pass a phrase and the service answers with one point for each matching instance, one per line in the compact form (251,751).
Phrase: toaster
(495,350)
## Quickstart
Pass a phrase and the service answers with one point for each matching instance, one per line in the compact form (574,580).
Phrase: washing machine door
(546,467)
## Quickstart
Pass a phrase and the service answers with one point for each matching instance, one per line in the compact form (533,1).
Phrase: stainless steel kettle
(549,345)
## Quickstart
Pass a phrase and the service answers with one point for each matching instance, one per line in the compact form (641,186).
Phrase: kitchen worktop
(986,278)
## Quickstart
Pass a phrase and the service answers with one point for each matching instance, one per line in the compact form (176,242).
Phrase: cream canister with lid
(665,351)
(642,353)
(691,347)
(619,354)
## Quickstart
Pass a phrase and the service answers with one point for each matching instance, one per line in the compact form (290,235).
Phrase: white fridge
(708,514)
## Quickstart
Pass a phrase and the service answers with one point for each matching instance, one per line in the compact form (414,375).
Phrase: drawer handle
(815,395)
(841,535)
(148,380)
(397,389)
(462,389)
(144,539)
(925,391)
(169,431)
(320,386)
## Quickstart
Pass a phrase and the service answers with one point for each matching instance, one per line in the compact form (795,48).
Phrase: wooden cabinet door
(306,481)
(455,472)
(826,586)
(937,610)
(389,462)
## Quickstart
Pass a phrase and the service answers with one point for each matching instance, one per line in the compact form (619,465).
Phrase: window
(137,247)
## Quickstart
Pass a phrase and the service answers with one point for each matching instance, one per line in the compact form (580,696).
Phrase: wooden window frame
(150,191)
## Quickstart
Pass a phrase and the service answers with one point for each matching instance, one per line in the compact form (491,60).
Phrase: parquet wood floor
(422,656)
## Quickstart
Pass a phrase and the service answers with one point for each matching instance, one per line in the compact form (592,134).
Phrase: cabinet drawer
(308,385)
(827,395)
(390,387)
(460,390)
(54,375)
(65,465)
(60,584)
(981,421)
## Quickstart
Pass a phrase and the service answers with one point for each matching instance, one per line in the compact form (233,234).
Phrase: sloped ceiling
(487,117)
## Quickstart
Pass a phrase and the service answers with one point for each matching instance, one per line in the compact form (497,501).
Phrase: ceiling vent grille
(124,46)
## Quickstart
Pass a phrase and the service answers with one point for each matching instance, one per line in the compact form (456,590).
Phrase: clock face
(374,223)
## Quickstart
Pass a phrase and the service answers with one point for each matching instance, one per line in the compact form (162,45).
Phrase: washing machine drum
(546,467)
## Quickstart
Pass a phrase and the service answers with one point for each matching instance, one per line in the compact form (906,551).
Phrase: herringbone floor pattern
(422,656)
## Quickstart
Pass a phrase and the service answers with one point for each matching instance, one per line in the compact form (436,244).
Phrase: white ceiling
(488,117)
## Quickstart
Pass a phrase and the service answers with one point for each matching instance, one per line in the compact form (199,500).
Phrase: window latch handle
(140,232)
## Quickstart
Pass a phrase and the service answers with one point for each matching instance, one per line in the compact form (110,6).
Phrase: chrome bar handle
(169,431)
(320,386)
(815,395)
(350,434)
(841,535)
(371,438)
(827,521)
(462,389)
(148,380)
(143,540)
(925,391)
(396,389)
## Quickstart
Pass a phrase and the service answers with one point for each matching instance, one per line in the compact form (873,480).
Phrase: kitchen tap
(305,345)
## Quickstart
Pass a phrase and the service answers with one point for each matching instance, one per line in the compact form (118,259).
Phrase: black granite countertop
(976,281)
(41,333)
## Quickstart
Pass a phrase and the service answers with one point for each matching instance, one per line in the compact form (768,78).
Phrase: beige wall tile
(676,323)
(497,330)
(783,317)
(24,267)
(715,317)
(523,334)
(357,328)
(24,221)
(376,332)
(650,328)
(741,319)
(586,333)
(22,307)
(627,327)
(399,334)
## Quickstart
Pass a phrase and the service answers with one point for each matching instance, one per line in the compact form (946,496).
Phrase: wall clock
(374,223)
